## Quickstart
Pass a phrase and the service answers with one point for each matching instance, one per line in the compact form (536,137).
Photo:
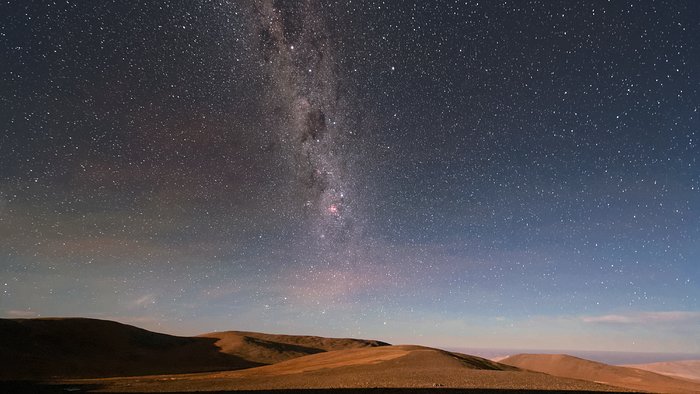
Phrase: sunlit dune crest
(271,348)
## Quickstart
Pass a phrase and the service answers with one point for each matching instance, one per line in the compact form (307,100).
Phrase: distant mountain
(577,368)
(686,369)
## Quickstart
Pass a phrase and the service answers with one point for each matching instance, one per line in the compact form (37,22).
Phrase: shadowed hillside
(78,347)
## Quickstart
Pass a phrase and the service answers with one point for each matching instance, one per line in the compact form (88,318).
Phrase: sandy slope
(577,368)
(77,347)
(271,348)
(686,369)
(386,366)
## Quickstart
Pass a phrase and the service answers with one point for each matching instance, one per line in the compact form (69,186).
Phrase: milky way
(300,59)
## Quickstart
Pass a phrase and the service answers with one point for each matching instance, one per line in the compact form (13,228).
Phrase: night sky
(453,173)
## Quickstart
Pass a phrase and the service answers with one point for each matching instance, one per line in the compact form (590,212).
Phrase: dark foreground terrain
(87,355)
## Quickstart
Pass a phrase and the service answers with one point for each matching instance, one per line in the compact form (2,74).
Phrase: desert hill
(403,366)
(271,348)
(79,347)
(577,368)
(686,369)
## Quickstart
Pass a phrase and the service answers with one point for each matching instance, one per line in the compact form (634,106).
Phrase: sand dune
(383,367)
(686,369)
(577,368)
(352,357)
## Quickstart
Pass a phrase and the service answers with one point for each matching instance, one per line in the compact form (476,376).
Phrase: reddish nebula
(333,209)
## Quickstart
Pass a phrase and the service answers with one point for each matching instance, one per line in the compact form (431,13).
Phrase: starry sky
(515,174)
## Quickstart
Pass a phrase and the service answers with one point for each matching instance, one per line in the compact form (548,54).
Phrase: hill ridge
(568,366)
(81,347)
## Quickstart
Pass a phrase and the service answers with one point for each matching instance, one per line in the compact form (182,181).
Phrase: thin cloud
(17,314)
(644,318)
(146,300)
